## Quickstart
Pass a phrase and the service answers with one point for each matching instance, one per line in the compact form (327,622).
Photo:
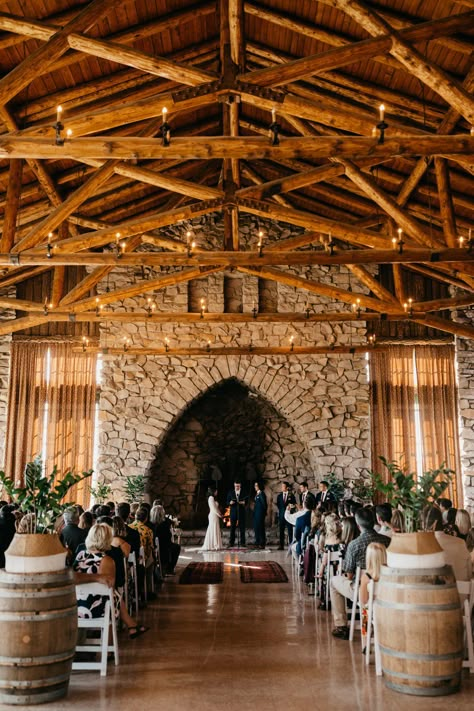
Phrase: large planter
(38,621)
(418,618)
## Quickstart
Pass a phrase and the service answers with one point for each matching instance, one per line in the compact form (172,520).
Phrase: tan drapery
(437,397)
(68,391)
(406,378)
(26,399)
(392,404)
(71,396)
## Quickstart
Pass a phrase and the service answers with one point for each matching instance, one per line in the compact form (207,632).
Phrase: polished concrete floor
(242,647)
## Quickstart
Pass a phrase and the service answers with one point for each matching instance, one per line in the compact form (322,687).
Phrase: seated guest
(455,550)
(71,535)
(96,559)
(169,550)
(445,505)
(349,531)
(303,526)
(157,513)
(147,543)
(132,536)
(332,542)
(463,523)
(383,514)
(375,558)
(342,586)
(86,521)
(397,522)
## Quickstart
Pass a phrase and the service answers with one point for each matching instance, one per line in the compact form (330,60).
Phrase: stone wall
(465,371)
(323,399)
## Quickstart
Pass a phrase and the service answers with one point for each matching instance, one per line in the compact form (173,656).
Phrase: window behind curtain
(414,417)
(51,410)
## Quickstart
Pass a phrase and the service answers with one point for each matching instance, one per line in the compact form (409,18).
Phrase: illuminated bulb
(164,111)
(394,242)
(274,115)
(382,112)
(193,244)
(405,306)
(461,241)
(69,132)
(59,110)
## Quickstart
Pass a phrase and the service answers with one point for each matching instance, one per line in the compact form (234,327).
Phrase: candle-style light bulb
(274,113)
(188,237)
(117,237)
(382,112)
(405,306)
(461,241)
(59,110)
(164,111)
(394,242)
(69,132)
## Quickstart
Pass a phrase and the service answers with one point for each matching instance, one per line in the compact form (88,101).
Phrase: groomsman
(304,491)
(237,502)
(284,499)
(324,496)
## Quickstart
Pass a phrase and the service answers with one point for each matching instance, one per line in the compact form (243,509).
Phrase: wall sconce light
(292,343)
(382,126)
(356,308)
(59,126)
(165,128)
(274,130)
(151,306)
(408,307)
(260,243)
(126,344)
(371,339)
(85,343)
(254,310)
(49,246)
(167,344)
(398,243)
(208,347)
(47,306)
(203,307)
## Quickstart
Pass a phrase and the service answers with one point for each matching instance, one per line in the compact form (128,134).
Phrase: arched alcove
(229,432)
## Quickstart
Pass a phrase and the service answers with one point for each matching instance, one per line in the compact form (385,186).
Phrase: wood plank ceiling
(273,108)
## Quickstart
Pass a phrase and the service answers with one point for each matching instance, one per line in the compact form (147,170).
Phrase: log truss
(273,114)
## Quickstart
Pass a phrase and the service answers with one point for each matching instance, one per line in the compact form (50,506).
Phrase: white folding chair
(333,558)
(354,624)
(466,593)
(372,633)
(103,624)
(132,562)
(142,561)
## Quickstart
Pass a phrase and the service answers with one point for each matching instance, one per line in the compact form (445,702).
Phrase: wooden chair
(466,592)
(104,624)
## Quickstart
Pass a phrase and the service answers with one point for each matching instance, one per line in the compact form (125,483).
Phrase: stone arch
(249,438)
(257,373)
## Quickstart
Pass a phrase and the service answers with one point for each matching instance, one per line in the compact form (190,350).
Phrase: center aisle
(240,647)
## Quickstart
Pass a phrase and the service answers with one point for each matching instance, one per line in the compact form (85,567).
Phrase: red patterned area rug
(202,573)
(257,571)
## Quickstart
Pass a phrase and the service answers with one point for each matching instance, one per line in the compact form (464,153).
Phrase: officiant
(237,502)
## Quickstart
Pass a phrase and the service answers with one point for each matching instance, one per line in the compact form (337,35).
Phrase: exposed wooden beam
(371,282)
(12,205)
(446,207)
(427,72)
(363,50)
(159,66)
(273,253)
(57,287)
(332,292)
(25,72)
(244,147)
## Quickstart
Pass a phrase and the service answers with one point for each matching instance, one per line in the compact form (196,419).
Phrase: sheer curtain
(437,398)
(26,400)
(392,404)
(414,411)
(51,410)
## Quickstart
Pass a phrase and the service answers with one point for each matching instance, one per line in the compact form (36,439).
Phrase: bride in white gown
(213,539)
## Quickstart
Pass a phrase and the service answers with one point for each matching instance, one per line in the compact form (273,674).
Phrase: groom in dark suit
(237,503)
(284,499)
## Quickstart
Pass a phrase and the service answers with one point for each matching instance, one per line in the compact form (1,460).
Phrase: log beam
(12,204)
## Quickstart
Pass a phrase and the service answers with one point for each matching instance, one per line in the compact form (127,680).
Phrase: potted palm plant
(38,612)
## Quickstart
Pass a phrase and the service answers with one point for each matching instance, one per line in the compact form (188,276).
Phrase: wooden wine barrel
(38,633)
(419,624)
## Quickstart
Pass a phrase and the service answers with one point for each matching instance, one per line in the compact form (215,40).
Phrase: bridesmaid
(259,515)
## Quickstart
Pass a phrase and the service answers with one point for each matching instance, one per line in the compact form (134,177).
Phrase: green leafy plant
(42,496)
(335,485)
(363,489)
(134,488)
(100,492)
(409,492)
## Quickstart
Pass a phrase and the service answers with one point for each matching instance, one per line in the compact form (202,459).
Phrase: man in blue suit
(237,503)
(284,499)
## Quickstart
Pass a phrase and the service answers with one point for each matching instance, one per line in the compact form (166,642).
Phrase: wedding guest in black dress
(259,515)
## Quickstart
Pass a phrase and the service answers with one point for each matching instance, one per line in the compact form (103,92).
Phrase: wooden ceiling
(273,109)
